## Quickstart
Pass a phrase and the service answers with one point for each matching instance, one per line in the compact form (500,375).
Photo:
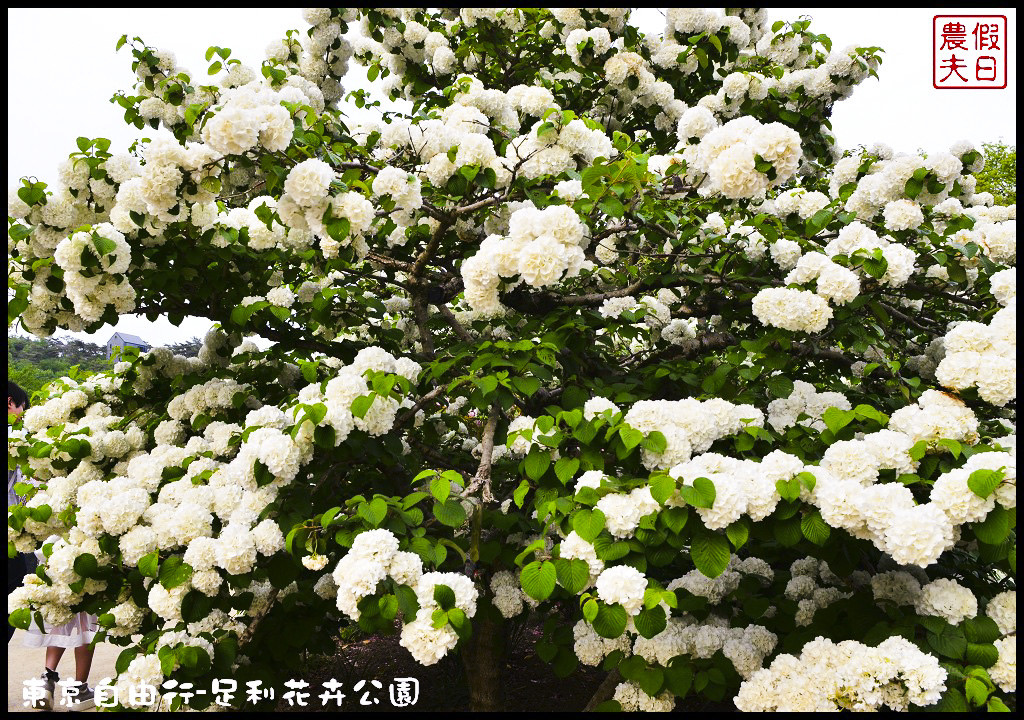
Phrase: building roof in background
(125,337)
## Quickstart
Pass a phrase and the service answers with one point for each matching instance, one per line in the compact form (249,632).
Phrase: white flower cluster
(952,494)
(936,415)
(541,248)
(573,547)
(828,676)
(1003,611)
(741,486)
(689,426)
(95,263)
(715,590)
(745,647)
(374,556)
(349,383)
(631,84)
(984,356)
(858,236)
(633,698)
(657,314)
(804,400)
(801,202)
(948,600)
(1004,672)
(252,115)
(622,584)
(887,514)
(591,648)
(835,283)
(804,589)
(728,155)
(597,406)
(550,147)
(403,188)
(791,309)
(427,643)
(508,596)
(882,189)
(623,511)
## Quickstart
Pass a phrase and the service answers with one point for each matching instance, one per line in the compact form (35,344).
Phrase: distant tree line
(33,363)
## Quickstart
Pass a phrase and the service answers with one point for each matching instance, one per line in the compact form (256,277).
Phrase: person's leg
(53,656)
(16,571)
(83,662)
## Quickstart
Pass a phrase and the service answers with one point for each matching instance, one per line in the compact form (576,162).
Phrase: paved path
(24,663)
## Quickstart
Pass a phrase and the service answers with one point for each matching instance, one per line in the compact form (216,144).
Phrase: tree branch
(483,472)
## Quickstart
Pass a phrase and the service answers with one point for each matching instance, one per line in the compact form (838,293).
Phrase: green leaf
(679,676)
(952,701)
(710,553)
(814,528)
(651,680)
(984,482)
(738,533)
(650,621)
(21,618)
(450,513)
(149,564)
(995,528)
(780,386)
(836,419)
(950,642)
(538,579)
(373,512)
(788,489)
(573,575)
(662,487)
(787,532)
(104,246)
(526,385)
(174,572)
(674,518)
(590,609)
(520,493)
(407,601)
(994,704)
(537,463)
(588,524)
(981,630)
(913,187)
(85,565)
(701,494)
(984,654)
(976,690)
(362,404)
(610,621)
(565,469)
(630,437)
(444,596)
(440,488)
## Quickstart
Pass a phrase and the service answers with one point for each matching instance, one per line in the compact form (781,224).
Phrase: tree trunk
(482,658)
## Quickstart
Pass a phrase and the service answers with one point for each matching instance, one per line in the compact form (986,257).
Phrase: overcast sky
(62,71)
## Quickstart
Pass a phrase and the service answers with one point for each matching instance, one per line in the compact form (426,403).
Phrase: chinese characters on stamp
(969,52)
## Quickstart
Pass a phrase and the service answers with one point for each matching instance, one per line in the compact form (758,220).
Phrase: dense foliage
(999,176)
(34,363)
(606,330)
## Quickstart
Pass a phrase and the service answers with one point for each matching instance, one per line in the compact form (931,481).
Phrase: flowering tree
(606,330)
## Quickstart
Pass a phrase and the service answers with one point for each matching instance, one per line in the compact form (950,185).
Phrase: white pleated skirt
(79,631)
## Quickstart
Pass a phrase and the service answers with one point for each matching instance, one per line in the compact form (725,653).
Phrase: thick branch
(483,472)
(461,331)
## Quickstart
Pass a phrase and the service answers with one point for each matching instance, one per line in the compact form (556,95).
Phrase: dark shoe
(84,700)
